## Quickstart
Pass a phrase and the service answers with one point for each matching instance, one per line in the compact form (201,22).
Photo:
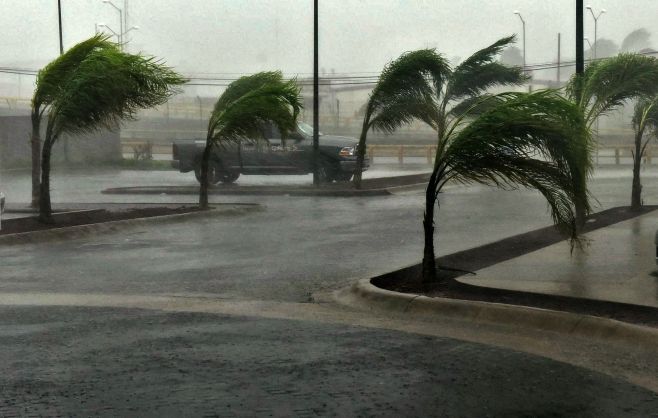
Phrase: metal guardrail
(147,149)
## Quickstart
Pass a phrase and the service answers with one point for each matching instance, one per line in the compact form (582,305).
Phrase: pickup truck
(337,161)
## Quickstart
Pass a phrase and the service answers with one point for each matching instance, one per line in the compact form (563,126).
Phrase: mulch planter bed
(87,217)
(461,263)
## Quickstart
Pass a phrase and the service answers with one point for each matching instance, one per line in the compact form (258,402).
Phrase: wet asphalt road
(298,246)
(109,362)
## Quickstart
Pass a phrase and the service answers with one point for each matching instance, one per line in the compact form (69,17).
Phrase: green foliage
(251,101)
(402,92)
(109,86)
(609,83)
(481,71)
(51,79)
(526,139)
(645,115)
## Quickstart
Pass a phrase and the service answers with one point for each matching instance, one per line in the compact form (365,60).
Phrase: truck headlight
(347,152)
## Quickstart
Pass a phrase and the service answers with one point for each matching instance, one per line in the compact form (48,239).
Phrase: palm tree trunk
(636,190)
(35,142)
(361,154)
(429,258)
(203,192)
(45,209)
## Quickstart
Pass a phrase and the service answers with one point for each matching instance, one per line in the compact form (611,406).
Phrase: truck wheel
(326,172)
(344,177)
(228,177)
(213,173)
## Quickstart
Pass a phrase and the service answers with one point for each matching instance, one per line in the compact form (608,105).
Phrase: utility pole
(59,15)
(516,12)
(559,56)
(316,99)
(61,52)
(580,34)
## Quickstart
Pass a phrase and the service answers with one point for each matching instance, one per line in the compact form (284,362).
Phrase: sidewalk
(618,265)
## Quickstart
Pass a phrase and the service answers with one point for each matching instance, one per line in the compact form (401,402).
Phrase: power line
(333,79)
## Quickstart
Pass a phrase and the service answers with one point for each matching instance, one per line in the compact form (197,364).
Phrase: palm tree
(511,140)
(608,84)
(98,92)
(241,111)
(48,83)
(645,117)
(507,140)
(394,101)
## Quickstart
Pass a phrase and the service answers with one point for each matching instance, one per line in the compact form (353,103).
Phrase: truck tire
(213,173)
(228,177)
(326,172)
(344,177)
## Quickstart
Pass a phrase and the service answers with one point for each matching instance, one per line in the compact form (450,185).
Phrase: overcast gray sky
(245,36)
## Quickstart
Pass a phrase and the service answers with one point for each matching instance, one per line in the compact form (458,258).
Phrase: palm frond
(609,83)
(275,101)
(244,85)
(527,139)
(51,78)
(402,109)
(645,114)
(482,71)
(412,75)
(473,106)
(109,86)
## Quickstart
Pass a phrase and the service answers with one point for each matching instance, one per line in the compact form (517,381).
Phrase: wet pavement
(297,246)
(618,264)
(111,362)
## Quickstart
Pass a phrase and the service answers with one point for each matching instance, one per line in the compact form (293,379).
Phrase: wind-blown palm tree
(645,120)
(404,84)
(514,139)
(102,89)
(504,140)
(241,111)
(396,98)
(608,84)
(49,81)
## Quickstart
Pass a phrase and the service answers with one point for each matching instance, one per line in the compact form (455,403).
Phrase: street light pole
(516,12)
(596,22)
(103,25)
(316,99)
(591,48)
(121,33)
(59,15)
(580,53)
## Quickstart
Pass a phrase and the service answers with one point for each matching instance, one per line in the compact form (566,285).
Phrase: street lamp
(586,39)
(118,9)
(103,25)
(516,12)
(596,21)
(129,29)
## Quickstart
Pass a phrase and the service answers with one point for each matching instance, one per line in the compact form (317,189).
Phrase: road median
(79,231)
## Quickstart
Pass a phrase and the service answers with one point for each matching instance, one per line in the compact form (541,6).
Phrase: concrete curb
(80,231)
(365,295)
(248,191)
